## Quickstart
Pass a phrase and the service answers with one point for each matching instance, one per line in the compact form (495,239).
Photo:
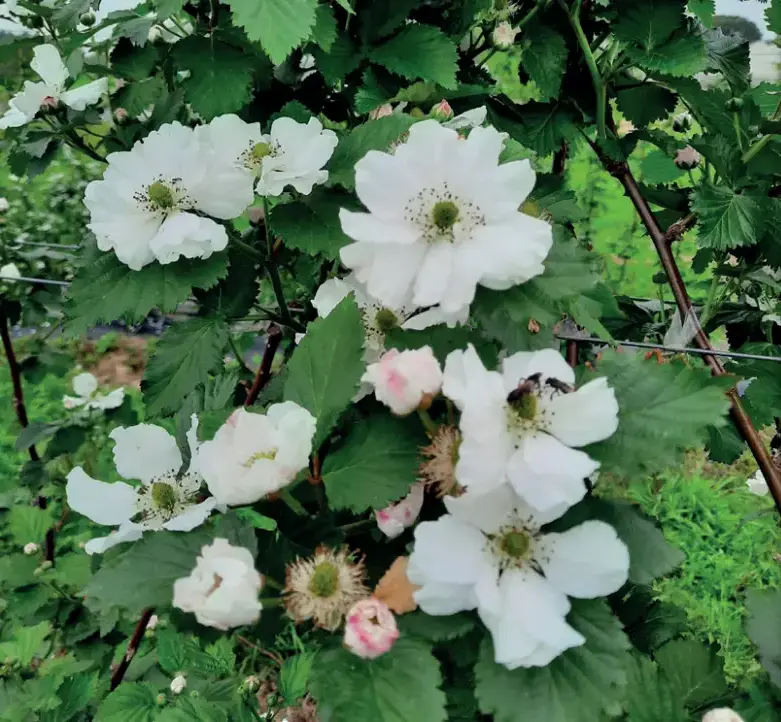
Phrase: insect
(559,386)
(528,386)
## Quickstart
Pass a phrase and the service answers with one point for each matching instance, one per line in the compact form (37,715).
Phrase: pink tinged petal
(193,517)
(394,519)
(89,94)
(369,228)
(49,66)
(126,533)
(25,105)
(586,561)
(549,475)
(370,629)
(548,362)
(487,511)
(144,452)
(433,275)
(104,503)
(585,416)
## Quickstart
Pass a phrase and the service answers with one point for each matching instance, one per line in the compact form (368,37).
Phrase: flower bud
(723,714)
(154,620)
(687,158)
(442,111)
(504,35)
(4,205)
(394,519)
(120,116)
(178,684)
(251,683)
(31,548)
(87,19)
(160,700)
(370,629)
(733,105)
(682,122)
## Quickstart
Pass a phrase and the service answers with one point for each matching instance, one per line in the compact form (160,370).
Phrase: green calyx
(325,580)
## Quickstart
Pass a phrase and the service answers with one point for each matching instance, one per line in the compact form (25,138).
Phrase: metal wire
(673,349)
(57,246)
(44,281)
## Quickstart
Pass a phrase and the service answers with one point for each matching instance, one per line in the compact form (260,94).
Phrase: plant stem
(530,15)
(247,249)
(263,375)
(237,353)
(762,142)
(707,311)
(132,648)
(357,525)
(276,284)
(294,504)
(596,78)
(428,422)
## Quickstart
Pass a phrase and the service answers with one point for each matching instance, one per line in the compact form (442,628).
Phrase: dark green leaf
(539,126)
(435,628)
(646,103)
(344,57)
(545,59)
(773,16)
(130,702)
(728,219)
(67,16)
(34,433)
(728,55)
(325,30)
(131,62)
(694,672)
(650,696)
(764,628)
(136,29)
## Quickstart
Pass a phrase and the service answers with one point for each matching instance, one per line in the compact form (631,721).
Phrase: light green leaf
(326,368)
(400,686)
(773,16)
(325,30)
(378,134)
(279,25)
(694,671)
(376,465)
(29,523)
(436,628)
(256,519)
(650,696)
(67,16)
(312,224)
(581,684)
(763,626)
(34,433)
(646,103)
(136,29)
(183,358)
(220,75)
(728,219)
(705,10)
(107,290)
(662,410)
(75,695)
(657,167)
(545,59)
(682,56)
(26,643)
(419,52)
(177,652)
(166,8)
(767,96)
(294,677)
(130,702)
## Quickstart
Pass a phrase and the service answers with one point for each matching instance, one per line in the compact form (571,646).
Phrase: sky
(751,9)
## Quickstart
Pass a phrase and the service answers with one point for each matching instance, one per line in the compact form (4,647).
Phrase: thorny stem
(263,375)
(741,419)
(277,659)
(21,414)
(132,648)
(273,271)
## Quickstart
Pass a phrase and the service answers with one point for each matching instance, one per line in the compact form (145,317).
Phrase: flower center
(161,195)
(386,320)
(444,215)
(515,544)
(525,406)
(261,151)
(271,455)
(325,580)
(163,496)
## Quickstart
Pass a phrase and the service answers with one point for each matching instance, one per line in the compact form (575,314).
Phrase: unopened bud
(178,684)
(120,116)
(733,105)
(160,700)
(686,159)
(442,111)
(252,683)
(31,548)
(682,123)
(87,19)
(504,35)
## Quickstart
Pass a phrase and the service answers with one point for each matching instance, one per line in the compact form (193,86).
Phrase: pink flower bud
(403,380)
(687,158)
(394,519)
(504,35)
(370,629)
(442,111)
(381,112)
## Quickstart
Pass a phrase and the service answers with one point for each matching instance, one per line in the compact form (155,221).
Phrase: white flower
(4,205)
(85,386)
(489,554)
(403,380)
(394,519)
(31,548)
(162,501)
(469,119)
(9,271)
(146,206)
(757,484)
(154,620)
(443,217)
(722,714)
(520,425)
(178,684)
(222,591)
(293,154)
(253,455)
(53,73)
(504,35)
(370,629)
(377,318)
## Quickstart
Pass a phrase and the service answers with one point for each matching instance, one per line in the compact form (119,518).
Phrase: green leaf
(34,433)
(220,75)
(419,52)
(435,628)
(75,695)
(131,62)
(376,465)
(382,17)
(773,16)
(344,57)
(67,16)
(729,55)
(29,523)
(183,358)
(400,686)
(657,167)
(694,671)
(166,8)
(325,30)
(188,709)
(136,96)
(650,696)
(326,368)
(581,684)
(294,677)
(648,24)
(646,103)
(177,652)
(136,29)
(728,219)
(130,702)
(662,410)
(539,126)
(767,97)
(705,10)
(682,56)
(279,25)
(108,290)
(312,224)
(545,59)
(378,134)
(763,626)
(256,519)
(26,643)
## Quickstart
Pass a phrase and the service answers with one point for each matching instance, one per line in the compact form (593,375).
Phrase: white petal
(369,228)
(25,105)
(89,94)
(445,599)
(329,295)
(85,384)
(104,503)
(470,119)
(466,378)
(548,475)
(193,517)
(144,452)
(296,430)
(487,511)
(192,440)
(126,533)
(587,415)
(548,362)
(586,561)
(48,64)
(757,484)
(433,275)
(188,235)
(434,316)
(112,400)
